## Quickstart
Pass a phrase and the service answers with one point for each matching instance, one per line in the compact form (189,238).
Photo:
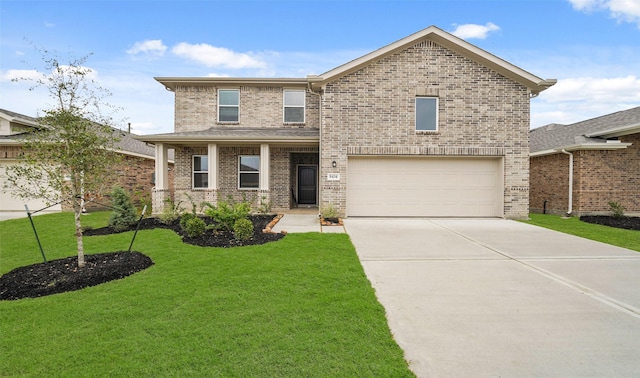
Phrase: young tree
(69,156)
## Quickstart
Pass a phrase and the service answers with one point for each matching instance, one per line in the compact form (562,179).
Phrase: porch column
(264,168)
(161,191)
(213,166)
(162,167)
(211,194)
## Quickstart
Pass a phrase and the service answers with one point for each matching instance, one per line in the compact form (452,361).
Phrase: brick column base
(159,200)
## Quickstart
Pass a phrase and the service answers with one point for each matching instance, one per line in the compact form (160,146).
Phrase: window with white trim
(228,105)
(249,171)
(200,171)
(426,114)
(294,104)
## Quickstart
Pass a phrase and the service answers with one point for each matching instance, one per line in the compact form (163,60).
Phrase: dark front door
(307,184)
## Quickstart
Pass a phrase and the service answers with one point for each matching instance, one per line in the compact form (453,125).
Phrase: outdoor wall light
(334,164)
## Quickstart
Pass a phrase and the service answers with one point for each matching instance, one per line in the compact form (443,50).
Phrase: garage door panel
(382,186)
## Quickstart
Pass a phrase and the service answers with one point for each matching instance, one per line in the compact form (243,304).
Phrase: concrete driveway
(499,298)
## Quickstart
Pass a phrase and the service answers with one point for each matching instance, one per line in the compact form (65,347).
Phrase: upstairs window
(200,171)
(249,172)
(228,105)
(426,114)
(294,101)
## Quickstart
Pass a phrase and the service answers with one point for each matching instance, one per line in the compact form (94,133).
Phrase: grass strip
(629,239)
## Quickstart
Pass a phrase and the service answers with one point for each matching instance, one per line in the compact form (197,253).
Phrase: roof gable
(449,41)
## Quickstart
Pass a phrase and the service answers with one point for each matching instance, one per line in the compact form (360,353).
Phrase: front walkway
(304,221)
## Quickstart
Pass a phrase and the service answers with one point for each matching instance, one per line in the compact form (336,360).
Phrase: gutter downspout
(570,210)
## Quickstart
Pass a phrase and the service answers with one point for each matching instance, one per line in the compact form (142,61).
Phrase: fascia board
(227,139)
(583,147)
(534,83)
(171,82)
(617,131)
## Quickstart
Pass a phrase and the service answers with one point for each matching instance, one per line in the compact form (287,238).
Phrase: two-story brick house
(430,125)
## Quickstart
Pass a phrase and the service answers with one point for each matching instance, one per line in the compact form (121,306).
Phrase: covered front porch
(274,169)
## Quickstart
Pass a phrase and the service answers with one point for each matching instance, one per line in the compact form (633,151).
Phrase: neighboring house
(135,173)
(427,126)
(578,169)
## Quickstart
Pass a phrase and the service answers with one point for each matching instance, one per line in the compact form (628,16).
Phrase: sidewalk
(296,223)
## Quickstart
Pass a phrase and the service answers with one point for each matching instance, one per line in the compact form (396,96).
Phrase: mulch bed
(222,239)
(63,275)
(628,223)
(60,276)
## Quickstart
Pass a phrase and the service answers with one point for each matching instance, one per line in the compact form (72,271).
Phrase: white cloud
(150,46)
(474,31)
(581,98)
(622,10)
(212,56)
(9,75)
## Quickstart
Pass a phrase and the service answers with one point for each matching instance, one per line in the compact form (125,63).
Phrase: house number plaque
(333,176)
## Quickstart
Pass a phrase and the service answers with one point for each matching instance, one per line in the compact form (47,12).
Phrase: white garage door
(11,207)
(419,186)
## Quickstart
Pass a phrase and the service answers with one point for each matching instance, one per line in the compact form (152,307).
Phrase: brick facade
(481,113)
(196,107)
(599,176)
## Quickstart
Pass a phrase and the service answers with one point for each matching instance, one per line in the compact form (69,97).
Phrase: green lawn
(299,307)
(615,236)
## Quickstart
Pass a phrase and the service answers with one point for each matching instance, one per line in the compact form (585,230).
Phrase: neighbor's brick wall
(481,113)
(598,177)
(196,107)
(604,176)
(134,174)
(550,182)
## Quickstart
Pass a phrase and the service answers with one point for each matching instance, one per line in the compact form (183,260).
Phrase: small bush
(243,229)
(171,212)
(186,217)
(195,227)
(124,214)
(329,211)
(265,206)
(617,210)
(226,213)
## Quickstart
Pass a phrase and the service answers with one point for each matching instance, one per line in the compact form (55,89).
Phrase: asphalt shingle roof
(127,143)
(555,136)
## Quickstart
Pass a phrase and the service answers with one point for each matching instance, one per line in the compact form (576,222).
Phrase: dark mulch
(60,276)
(629,223)
(63,275)
(210,238)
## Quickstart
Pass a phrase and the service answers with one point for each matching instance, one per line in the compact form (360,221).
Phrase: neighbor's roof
(433,33)
(237,134)
(18,118)
(589,134)
(127,143)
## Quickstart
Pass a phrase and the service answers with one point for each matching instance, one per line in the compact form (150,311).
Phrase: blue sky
(591,46)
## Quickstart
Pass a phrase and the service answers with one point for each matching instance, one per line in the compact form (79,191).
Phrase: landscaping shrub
(171,212)
(243,229)
(124,214)
(184,219)
(195,227)
(226,213)
(617,210)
